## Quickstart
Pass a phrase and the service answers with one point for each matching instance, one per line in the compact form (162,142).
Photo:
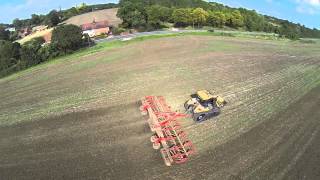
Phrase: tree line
(15,57)
(155,14)
(65,39)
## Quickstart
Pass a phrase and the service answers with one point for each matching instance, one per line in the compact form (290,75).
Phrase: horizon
(297,11)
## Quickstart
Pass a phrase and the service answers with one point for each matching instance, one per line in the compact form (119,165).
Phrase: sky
(305,12)
(22,9)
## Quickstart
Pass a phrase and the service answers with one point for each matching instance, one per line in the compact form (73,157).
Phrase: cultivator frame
(168,133)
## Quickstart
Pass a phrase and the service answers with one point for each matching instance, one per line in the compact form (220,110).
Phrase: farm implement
(176,148)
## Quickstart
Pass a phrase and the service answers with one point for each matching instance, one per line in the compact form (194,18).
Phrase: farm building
(96,28)
(39,28)
(11,29)
(24,32)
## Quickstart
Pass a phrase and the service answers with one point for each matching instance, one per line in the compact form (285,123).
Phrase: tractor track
(269,129)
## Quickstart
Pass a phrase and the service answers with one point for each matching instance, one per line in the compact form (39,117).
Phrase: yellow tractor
(204,105)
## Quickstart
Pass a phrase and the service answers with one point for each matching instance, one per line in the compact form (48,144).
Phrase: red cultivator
(168,133)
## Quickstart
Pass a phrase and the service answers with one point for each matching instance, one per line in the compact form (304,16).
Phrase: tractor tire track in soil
(92,145)
(80,119)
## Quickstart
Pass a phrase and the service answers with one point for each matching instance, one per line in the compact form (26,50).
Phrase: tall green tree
(158,14)
(182,16)
(199,16)
(9,54)
(252,20)
(217,19)
(35,19)
(132,13)
(30,52)
(235,19)
(67,38)
(53,18)
(71,12)
(17,23)
(4,35)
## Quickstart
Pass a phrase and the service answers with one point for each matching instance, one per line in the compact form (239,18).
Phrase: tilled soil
(269,130)
(93,145)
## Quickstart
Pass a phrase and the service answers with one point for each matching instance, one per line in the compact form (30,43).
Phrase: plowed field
(80,119)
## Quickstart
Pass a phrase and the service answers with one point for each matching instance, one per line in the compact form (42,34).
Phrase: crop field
(100,15)
(35,35)
(78,117)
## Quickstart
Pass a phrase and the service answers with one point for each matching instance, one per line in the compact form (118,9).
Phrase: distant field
(34,35)
(77,117)
(101,15)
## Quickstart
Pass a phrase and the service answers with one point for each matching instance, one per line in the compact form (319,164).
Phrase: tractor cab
(203,105)
(205,98)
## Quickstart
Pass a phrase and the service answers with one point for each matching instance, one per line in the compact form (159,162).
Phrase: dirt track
(106,138)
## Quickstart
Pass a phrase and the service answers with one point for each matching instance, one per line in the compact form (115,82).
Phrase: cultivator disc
(168,133)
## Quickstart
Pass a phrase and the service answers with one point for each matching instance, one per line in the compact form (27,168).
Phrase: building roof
(11,29)
(94,25)
(39,28)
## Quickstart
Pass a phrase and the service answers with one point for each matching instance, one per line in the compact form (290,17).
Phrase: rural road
(140,34)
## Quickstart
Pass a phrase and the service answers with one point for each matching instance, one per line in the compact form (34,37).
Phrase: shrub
(117,31)
(67,38)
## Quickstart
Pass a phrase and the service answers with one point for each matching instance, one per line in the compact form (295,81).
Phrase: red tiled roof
(94,25)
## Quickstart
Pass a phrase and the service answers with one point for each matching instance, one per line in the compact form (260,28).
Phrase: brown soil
(102,15)
(269,130)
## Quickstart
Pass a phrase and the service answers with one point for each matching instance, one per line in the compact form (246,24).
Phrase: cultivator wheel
(176,148)
(156,145)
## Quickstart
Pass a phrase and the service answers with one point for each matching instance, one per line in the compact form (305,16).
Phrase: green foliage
(67,38)
(71,12)
(289,31)
(234,19)
(158,14)
(53,18)
(14,57)
(4,35)
(30,52)
(17,23)
(199,16)
(117,30)
(146,13)
(217,19)
(252,20)
(182,17)
(181,3)
(9,54)
(132,14)
(35,19)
